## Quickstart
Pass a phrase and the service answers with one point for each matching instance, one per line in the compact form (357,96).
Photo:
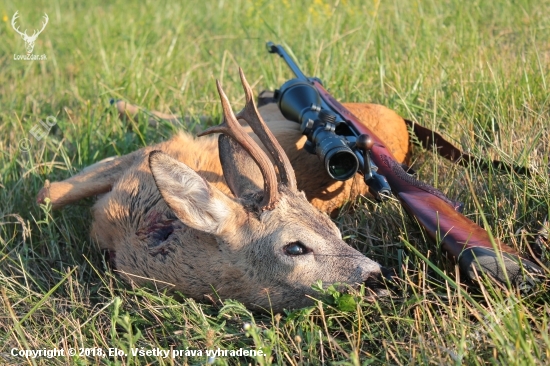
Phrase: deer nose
(382,281)
(388,274)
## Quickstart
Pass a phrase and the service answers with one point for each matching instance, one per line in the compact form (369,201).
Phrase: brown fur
(170,217)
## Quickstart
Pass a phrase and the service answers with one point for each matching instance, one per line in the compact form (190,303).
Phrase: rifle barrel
(278,49)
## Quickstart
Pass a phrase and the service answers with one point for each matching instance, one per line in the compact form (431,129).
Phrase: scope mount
(377,183)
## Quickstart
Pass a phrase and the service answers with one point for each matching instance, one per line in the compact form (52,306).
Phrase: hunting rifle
(346,146)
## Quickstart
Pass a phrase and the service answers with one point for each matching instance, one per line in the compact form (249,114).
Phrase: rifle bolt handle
(364,142)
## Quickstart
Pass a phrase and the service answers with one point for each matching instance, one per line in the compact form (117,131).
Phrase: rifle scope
(300,102)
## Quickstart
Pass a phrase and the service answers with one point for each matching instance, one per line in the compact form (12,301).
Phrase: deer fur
(177,215)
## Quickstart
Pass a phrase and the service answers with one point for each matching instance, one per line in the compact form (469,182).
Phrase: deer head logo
(29,40)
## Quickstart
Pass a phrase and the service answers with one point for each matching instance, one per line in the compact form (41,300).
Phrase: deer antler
(13,19)
(43,26)
(231,127)
(251,115)
(25,35)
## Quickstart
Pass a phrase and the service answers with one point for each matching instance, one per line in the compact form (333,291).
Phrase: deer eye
(296,248)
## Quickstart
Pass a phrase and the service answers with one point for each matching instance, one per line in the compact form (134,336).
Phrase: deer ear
(239,169)
(193,200)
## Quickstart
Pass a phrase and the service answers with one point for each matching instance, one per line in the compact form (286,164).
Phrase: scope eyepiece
(339,160)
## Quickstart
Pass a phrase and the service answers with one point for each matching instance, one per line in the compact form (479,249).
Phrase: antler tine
(231,127)
(44,23)
(43,26)
(251,115)
(13,19)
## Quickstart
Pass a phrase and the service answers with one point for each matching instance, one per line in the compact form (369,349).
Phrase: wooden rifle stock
(458,236)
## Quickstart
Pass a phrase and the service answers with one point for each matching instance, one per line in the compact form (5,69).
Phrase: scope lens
(341,164)
(339,160)
(295,99)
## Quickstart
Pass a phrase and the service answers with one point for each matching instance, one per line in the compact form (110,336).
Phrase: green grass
(477,71)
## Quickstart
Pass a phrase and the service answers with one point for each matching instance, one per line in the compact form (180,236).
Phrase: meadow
(475,71)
